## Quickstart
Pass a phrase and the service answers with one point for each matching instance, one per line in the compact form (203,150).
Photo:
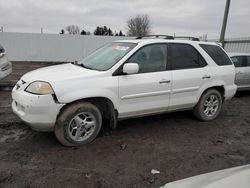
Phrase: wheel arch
(219,88)
(105,105)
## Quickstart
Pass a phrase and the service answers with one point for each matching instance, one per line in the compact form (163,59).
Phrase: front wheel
(78,124)
(209,105)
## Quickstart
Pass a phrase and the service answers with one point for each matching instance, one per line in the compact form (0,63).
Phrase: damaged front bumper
(38,111)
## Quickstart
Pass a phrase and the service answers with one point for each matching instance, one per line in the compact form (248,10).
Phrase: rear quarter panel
(221,75)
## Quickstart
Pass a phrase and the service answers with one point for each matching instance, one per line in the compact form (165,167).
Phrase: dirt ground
(176,144)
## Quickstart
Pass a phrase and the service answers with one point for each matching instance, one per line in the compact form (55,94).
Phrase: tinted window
(248,61)
(151,58)
(217,54)
(238,61)
(184,56)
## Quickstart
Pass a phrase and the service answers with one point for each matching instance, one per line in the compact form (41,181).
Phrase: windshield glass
(107,56)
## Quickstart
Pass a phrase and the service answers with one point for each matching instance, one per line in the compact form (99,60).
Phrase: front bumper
(38,111)
(5,68)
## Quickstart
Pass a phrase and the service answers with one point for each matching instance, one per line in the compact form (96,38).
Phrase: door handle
(206,77)
(164,81)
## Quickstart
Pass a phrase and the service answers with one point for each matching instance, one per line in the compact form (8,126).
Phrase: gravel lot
(176,144)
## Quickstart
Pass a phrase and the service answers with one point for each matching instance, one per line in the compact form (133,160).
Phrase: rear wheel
(209,105)
(78,124)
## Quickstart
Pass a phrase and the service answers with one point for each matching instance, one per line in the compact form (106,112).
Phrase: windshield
(107,56)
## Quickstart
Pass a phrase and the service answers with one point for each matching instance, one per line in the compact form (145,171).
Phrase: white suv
(124,79)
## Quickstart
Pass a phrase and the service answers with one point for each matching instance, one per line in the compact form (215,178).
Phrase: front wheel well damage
(105,105)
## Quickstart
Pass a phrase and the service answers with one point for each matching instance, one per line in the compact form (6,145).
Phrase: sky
(180,17)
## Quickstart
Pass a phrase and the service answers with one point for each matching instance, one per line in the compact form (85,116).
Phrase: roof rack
(189,38)
(156,36)
(169,37)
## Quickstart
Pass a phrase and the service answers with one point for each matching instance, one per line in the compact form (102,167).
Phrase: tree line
(139,25)
(74,30)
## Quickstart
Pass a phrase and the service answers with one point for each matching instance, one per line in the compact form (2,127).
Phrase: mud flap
(113,117)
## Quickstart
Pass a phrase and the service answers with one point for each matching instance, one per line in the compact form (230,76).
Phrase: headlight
(40,88)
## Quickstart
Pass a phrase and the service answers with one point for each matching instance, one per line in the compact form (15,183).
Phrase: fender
(214,83)
(78,95)
(68,91)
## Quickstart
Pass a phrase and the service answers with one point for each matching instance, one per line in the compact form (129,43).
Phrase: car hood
(230,178)
(58,72)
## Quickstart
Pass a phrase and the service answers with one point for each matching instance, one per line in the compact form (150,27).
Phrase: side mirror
(130,68)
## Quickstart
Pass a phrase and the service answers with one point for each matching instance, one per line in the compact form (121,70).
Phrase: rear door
(189,73)
(247,71)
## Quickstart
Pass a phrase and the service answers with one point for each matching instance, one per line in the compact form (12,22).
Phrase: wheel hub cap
(82,126)
(211,105)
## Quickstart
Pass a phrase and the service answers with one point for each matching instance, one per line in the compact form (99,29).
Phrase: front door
(149,90)
(247,71)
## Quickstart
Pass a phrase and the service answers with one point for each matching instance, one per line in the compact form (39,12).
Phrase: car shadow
(242,93)
(150,122)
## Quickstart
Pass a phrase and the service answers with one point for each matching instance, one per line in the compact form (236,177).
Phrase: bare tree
(73,29)
(139,25)
(62,31)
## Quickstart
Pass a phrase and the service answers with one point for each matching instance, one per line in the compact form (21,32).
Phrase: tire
(206,109)
(78,124)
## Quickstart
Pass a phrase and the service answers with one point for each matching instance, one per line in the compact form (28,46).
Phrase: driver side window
(152,58)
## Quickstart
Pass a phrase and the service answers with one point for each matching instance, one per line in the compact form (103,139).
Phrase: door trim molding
(182,90)
(149,94)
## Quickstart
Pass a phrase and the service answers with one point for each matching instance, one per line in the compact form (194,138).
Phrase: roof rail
(156,36)
(169,37)
(189,38)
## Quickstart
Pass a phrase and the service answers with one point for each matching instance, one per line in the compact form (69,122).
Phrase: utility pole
(224,24)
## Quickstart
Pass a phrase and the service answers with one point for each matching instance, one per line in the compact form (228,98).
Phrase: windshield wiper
(75,63)
(81,64)
(84,66)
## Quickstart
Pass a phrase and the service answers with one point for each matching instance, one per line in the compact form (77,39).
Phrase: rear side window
(184,56)
(248,61)
(238,61)
(217,54)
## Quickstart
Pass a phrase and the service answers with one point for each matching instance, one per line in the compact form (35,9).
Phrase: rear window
(217,54)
